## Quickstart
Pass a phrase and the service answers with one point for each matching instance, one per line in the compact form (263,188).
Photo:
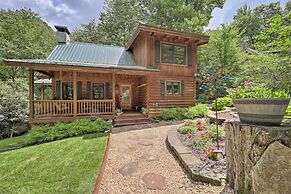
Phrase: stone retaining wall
(258,158)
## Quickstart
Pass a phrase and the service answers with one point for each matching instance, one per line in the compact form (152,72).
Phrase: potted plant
(118,111)
(144,111)
(260,105)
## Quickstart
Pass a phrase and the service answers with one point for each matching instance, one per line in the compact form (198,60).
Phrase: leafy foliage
(199,110)
(120,18)
(267,69)
(200,142)
(23,35)
(187,129)
(173,113)
(46,133)
(183,15)
(222,103)
(212,132)
(218,63)
(256,92)
(14,107)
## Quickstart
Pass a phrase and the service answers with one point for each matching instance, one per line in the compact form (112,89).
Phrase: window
(173,88)
(98,91)
(173,54)
(67,90)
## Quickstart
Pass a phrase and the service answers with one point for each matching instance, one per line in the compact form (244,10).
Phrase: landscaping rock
(128,169)
(193,165)
(254,161)
(154,181)
(274,165)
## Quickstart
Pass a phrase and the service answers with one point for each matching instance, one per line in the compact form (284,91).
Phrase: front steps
(130,118)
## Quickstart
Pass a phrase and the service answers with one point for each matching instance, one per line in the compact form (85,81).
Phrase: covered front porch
(86,94)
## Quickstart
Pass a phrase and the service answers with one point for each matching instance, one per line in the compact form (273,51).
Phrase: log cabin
(156,69)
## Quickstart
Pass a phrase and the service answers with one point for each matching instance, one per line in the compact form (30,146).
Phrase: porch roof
(88,55)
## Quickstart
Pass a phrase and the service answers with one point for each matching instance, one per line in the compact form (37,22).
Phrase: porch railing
(89,107)
(46,108)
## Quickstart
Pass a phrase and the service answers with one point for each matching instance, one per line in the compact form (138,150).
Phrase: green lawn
(64,166)
(12,141)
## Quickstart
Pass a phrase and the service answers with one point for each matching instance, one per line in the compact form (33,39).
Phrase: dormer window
(173,53)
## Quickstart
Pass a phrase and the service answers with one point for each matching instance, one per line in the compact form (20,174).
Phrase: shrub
(256,92)
(187,129)
(173,113)
(13,107)
(200,142)
(211,131)
(197,111)
(46,133)
(221,103)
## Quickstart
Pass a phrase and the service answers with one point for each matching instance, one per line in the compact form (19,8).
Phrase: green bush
(221,103)
(187,129)
(211,131)
(201,142)
(14,107)
(173,113)
(197,111)
(256,92)
(46,133)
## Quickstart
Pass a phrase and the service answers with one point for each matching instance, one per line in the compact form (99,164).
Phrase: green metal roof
(90,55)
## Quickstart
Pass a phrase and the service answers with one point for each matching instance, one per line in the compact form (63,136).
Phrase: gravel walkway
(139,162)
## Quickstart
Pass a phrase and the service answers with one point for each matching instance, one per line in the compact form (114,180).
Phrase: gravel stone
(175,179)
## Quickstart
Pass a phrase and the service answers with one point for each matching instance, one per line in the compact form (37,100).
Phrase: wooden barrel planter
(262,111)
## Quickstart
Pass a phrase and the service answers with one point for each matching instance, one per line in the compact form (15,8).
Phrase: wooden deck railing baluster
(45,108)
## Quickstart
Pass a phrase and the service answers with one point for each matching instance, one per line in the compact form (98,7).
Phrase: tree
(269,70)
(120,18)
(218,59)
(248,25)
(118,21)
(250,22)
(23,35)
(87,33)
(185,15)
(276,38)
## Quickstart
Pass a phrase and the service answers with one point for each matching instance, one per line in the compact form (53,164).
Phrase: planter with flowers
(260,105)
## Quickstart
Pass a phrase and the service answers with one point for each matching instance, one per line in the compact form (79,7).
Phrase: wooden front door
(125,97)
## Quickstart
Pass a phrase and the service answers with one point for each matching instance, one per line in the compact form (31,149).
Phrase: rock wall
(258,158)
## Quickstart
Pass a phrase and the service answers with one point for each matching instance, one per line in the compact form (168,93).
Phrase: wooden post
(113,93)
(61,85)
(31,93)
(75,93)
(42,92)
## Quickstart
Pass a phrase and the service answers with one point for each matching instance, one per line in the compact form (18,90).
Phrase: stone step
(126,120)
(130,123)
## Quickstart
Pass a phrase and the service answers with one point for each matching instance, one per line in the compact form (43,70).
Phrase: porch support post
(31,93)
(42,92)
(75,93)
(113,94)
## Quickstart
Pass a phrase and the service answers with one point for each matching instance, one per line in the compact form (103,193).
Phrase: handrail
(46,108)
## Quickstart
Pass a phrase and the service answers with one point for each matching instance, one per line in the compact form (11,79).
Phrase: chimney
(62,35)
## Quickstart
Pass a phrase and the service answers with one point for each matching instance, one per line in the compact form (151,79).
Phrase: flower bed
(200,137)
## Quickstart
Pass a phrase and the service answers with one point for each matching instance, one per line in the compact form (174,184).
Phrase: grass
(65,166)
(12,141)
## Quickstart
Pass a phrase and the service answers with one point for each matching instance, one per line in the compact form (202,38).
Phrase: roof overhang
(167,33)
(46,65)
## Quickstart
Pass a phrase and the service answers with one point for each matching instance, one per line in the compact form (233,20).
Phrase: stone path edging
(192,165)
(102,168)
